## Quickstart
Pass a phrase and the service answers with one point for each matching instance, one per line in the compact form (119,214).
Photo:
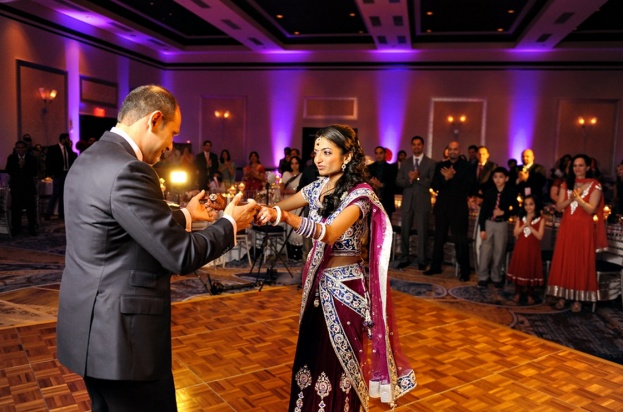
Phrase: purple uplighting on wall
(523,111)
(284,108)
(72,60)
(392,94)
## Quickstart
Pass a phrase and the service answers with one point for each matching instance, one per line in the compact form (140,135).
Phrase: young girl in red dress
(526,267)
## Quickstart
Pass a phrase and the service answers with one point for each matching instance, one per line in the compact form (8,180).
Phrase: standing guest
(415,177)
(472,154)
(402,155)
(531,177)
(526,267)
(383,180)
(499,204)
(58,160)
(28,140)
(454,181)
(187,163)
(290,179)
(284,164)
(289,186)
(310,161)
(484,171)
(206,163)
(123,244)
(227,168)
(309,174)
(338,302)
(254,174)
(573,275)
(21,167)
(512,170)
(559,175)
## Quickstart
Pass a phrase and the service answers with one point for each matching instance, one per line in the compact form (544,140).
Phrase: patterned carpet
(31,268)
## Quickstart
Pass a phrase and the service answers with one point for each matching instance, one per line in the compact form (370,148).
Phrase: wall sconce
(583,123)
(47,95)
(222,115)
(456,123)
(587,127)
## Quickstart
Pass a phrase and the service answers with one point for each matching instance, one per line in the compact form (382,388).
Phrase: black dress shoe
(482,283)
(432,271)
(421,266)
(498,285)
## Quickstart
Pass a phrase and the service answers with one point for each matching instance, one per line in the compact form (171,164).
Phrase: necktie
(417,164)
(65,163)
(497,204)
(479,171)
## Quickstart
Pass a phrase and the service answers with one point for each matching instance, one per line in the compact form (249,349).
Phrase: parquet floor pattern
(234,353)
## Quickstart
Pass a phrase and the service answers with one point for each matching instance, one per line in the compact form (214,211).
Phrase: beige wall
(393,105)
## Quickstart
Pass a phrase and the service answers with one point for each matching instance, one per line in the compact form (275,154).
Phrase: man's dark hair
(420,138)
(145,100)
(500,169)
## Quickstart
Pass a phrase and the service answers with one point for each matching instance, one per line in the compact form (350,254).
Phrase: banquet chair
(273,237)
(242,241)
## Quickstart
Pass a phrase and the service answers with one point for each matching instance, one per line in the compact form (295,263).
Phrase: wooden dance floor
(234,353)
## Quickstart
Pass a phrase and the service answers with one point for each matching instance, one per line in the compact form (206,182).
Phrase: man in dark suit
(383,180)
(58,160)
(531,177)
(484,171)
(454,181)
(123,244)
(415,177)
(22,168)
(207,164)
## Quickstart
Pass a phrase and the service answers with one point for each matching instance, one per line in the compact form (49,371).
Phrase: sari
(331,368)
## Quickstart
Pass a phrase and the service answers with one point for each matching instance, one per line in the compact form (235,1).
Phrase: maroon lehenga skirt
(331,346)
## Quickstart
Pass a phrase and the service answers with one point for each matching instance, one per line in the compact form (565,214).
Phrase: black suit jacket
(537,177)
(452,194)
(123,244)
(485,181)
(386,174)
(54,162)
(22,179)
(205,173)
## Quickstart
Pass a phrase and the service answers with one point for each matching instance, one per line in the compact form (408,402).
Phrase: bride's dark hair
(345,138)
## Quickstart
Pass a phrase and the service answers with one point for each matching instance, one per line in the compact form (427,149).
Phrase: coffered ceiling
(178,31)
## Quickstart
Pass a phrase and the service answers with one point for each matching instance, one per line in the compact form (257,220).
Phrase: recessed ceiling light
(297,33)
(429,13)
(429,31)
(500,29)
(511,11)
(352,14)
(280,16)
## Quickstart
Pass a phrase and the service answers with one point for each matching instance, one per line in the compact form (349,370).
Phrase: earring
(343,166)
